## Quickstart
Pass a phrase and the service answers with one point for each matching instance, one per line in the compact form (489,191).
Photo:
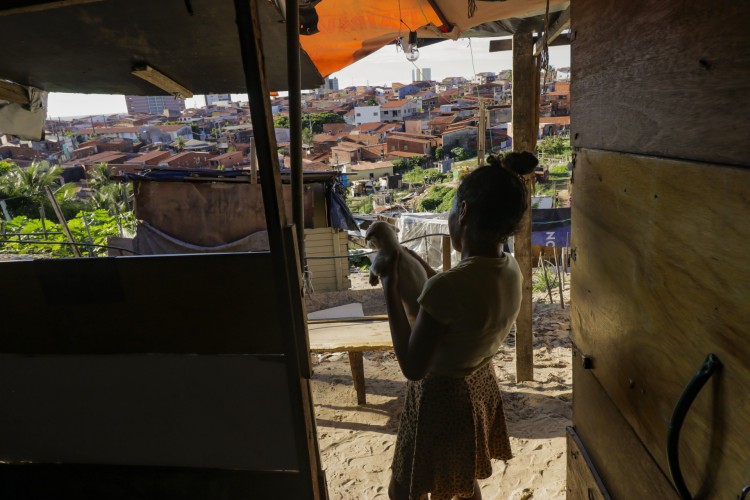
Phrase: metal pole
(294,80)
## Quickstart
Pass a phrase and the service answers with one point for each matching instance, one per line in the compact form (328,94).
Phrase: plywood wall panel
(662,78)
(660,280)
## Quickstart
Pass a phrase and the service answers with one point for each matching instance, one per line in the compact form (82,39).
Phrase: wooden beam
(284,259)
(525,112)
(13,92)
(507,45)
(26,7)
(561,24)
(162,81)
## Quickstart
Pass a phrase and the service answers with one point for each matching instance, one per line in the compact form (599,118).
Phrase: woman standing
(453,423)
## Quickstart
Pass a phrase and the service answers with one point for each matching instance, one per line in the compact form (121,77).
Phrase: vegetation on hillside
(106,212)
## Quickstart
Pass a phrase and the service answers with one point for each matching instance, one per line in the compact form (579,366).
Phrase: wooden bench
(353,335)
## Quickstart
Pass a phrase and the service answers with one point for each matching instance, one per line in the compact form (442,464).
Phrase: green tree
(460,154)
(307,137)
(30,182)
(6,167)
(400,166)
(439,153)
(281,122)
(371,102)
(179,144)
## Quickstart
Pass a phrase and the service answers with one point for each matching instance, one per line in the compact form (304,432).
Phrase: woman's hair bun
(520,163)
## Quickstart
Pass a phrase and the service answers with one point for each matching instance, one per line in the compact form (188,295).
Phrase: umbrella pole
(525,110)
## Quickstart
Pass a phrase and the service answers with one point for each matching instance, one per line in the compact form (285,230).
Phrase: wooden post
(543,267)
(88,231)
(44,222)
(357,365)
(525,112)
(253,63)
(253,163)
(447,253)
(62,220)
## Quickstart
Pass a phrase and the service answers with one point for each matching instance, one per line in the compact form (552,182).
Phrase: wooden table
(354,336)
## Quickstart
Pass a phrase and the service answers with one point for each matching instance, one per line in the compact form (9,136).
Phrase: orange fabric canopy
(352,29)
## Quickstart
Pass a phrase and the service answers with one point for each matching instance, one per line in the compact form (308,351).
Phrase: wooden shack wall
(660,279)
(213,213)
(328,275)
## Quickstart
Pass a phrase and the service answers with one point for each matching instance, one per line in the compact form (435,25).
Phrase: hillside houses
(359,130)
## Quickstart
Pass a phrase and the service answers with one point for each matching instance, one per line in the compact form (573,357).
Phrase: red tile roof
(395,104)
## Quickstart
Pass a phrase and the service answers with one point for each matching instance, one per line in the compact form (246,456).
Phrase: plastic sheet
(429,248)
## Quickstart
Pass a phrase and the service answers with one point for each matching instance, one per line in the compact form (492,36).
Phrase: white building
(396,111)
(366,114)
(212,99)
(421,74)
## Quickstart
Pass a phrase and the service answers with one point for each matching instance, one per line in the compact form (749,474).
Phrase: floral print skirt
(450,430)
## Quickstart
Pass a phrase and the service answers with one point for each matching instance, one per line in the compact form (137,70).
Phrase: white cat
(382,237)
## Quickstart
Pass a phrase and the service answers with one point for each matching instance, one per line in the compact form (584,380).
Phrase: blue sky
(449,58)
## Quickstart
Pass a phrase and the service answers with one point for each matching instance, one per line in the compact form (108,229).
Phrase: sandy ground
(356,442)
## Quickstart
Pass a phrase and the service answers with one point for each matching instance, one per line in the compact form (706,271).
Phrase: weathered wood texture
(328,275)
(350,336)
(207,213)
(173,302)
(582,480)
(618,456)
(92,482)
(662,78)
(357,366)
(659,281)
(525,109)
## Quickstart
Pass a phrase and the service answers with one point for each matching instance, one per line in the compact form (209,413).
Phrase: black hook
(708,368)
(744,492)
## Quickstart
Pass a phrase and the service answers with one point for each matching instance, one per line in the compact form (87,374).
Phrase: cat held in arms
(382,237)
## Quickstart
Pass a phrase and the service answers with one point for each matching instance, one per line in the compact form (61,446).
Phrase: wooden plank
(583,481)
(525,109)
(64,481)
(561,24)
(613,447)
(336,252)
(286,270)
(104,287)
(679,92)
(26,7)
(656,287)
(350,336)
(505,45)
(13,92)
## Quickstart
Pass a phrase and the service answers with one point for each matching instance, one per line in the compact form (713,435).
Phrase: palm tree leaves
(30,181)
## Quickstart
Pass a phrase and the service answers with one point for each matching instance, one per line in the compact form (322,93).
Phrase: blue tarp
(550,227)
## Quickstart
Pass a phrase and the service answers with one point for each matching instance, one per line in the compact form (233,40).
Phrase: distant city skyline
(384,67)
